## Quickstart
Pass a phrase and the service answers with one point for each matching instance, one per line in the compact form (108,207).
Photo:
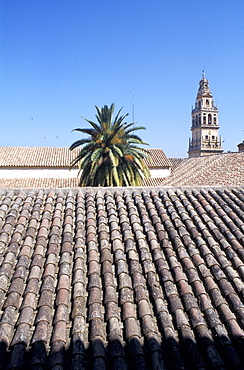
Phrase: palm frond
(135,128)
(118,150)
(79,143)
(96,154)
(93,124)
(113,158)
(88,131)
(120,119)
(116,176)
(133,139)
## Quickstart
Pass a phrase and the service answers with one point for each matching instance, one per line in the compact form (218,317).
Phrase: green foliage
(110,156)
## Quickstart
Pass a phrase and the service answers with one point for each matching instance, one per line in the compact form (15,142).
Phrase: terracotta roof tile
(127,277)
(220,169)
(175,162)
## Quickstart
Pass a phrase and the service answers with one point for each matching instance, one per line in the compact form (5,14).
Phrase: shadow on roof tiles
(187,354)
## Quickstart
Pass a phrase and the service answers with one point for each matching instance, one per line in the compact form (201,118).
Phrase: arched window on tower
(209,119)
(207,103)
(215,120)
(204,120)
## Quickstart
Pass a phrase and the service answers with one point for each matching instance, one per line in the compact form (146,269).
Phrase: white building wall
(159,172)
(12,173)
(37,173)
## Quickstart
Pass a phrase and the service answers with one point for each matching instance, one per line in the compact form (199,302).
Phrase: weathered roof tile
(171,258)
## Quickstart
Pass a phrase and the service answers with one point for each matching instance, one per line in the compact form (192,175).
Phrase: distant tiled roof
(58,157)
(35,157)
(158,159)
(153,181)
(219,169)
(122,279)
(175,162)
(44,182)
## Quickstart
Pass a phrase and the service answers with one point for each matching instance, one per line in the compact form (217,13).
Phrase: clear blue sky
(60,58)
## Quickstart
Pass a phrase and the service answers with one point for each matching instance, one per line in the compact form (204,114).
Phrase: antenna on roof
(133,109)
(133,112)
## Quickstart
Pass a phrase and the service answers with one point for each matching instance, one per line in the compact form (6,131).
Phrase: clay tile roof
(175,162)
(219,169)
(58,157)
(157,158)
(35,157)
(122,278)
(45,182)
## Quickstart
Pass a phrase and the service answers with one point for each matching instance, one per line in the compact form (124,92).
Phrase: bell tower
(205,139)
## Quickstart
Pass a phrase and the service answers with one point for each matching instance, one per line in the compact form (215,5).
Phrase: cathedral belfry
(205,139)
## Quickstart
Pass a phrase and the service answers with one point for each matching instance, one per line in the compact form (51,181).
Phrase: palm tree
(110,156)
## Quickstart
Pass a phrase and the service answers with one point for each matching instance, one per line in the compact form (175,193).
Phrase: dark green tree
(110,155)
